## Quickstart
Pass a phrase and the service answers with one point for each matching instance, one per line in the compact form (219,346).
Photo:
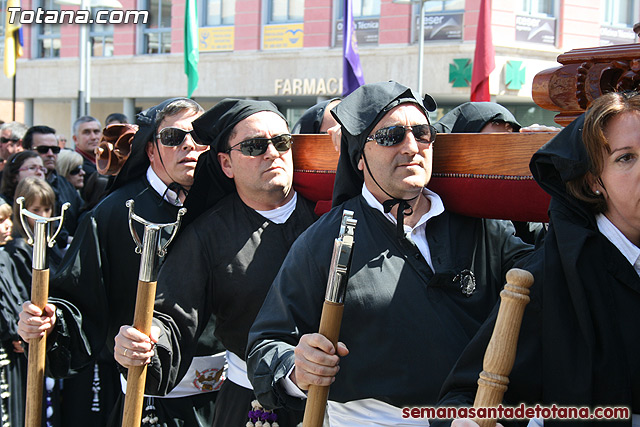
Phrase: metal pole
(82,92)
(421,47)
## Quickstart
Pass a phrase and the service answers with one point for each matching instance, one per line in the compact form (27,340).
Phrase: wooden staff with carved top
(501,351)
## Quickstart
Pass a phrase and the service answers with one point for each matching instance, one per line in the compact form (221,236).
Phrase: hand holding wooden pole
(501,351)
(331,317)
(151,250)
(39,239)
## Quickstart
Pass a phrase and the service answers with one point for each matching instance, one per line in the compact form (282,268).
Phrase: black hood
(560,160)
(311,120)
(471,117)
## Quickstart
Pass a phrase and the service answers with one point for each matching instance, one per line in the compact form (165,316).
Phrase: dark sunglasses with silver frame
(258,146)
(173,136)
(393,135)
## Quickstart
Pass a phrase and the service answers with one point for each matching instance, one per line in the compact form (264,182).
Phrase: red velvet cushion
(518,200)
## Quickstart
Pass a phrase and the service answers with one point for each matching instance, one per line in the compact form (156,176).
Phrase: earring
(597,192)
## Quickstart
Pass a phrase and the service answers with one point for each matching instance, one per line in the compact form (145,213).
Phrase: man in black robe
(226,260)
(421,281)
(95,291)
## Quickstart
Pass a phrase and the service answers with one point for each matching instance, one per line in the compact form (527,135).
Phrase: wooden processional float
(479,175)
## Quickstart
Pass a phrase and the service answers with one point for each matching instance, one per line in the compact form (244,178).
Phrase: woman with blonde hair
(6,225)
(69,165)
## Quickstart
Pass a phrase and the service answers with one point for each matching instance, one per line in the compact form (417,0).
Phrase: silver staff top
(150,247)
(341,259)
(38,236)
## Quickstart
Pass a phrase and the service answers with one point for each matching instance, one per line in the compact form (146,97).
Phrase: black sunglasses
(393,135)
(5,140)
(258,146)
(173,137)
(44,149)
(76,170)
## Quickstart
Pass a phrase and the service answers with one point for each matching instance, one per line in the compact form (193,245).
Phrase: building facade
(290,52)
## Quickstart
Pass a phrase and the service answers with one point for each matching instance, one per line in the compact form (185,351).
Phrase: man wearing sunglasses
(42,139)
(421,279)
(96,291)
(248,215)
(11,135)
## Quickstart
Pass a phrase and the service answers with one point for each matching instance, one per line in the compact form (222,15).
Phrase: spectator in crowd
(42,139)
(69,165)
(86,136)
(6,225)
(19,166)
(115,118)
(11,135)
(62,141)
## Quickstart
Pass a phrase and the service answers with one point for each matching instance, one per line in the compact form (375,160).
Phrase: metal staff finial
(38,237)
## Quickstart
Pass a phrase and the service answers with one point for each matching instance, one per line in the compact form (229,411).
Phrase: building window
(444,5)
(157,33)
(286,11)
(101,36)
(363,8)
(219,12)
(538,7)
(47,35)
(619,13)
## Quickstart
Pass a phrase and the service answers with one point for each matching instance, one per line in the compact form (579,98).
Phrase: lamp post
(420,40)
(84,91)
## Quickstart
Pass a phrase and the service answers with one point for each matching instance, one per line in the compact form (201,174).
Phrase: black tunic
(224,262)
(95,293)
(578,343)
(404,326)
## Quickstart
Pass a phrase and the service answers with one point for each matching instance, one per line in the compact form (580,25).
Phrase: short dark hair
(27,140)
(176,107)
(115,117)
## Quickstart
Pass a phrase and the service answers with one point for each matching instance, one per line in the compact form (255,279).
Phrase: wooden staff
(39,294)
(501,351)
(331,317)
(151,250)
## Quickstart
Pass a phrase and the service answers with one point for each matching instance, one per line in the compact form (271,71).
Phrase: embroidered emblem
(209,379)
(467,282)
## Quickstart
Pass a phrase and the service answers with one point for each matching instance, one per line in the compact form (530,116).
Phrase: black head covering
(471,117)
(358,114)
(311,120)
(211,184)
(138,161)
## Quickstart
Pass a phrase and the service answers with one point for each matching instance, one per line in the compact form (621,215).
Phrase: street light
(84,92)
(420,40)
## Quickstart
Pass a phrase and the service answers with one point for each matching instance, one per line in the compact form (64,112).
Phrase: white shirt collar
(437,207)
(161,188)
(281,214)
(630,251)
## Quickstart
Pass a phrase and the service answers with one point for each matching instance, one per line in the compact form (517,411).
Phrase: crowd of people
(234,338)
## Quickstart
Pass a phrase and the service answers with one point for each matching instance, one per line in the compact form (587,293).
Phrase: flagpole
(13,96)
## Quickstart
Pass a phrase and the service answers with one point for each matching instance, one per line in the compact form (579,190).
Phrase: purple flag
(352,77)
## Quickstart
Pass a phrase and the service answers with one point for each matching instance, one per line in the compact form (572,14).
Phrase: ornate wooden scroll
(584,75)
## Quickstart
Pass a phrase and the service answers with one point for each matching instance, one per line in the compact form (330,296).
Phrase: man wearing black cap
(421,279)
(248,215)
(95,291)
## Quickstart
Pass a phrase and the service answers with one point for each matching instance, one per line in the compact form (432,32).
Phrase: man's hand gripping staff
(332,312)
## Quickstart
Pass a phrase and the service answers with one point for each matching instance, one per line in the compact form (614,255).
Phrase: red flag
(484,61)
